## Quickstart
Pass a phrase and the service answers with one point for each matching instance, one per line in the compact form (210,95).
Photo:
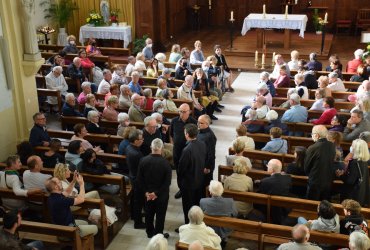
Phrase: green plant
(139,44)
(60,11)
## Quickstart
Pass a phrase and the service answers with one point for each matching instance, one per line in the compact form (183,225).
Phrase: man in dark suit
(318,165)
(276,184)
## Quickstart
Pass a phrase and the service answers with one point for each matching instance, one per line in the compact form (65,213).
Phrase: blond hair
(360,150)
(241,166)
(60,171)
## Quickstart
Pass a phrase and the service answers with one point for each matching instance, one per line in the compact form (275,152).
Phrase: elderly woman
(90,104)
(197,230)
(168,104)
(157,242)
(62,172)
(323,83)
(241,134)
(319,100)
(140,64)
(149,100)
(73,155)
(86,89)
(358,241)
(125,97)
(293,64)
(356,175)
(175,54)
(152,70)
(110,113)
(274,121)
(283,80)
(123,122)
(80,132)
(219,206)
(162,85)
(265,78)
(161,57)
(93,125)
(71,47)
(118,75)
(238,147)
(163,124)
(300,87)
(263,91)
(134,85)
(239,181)
(277,144)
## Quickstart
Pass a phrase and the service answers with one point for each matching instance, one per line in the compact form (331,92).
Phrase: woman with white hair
(161,57)
(359,241)
(123,122)
(157,242)
(356,175)
(265,78)
(86,89)
(293,63)
(239,181)
(90,104)
(274,121)
(110,113)
(197,230)
(125,97)
(140,64)
(93,125)
(219,206)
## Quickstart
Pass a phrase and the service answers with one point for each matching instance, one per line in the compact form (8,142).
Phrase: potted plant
(139,44)
(317,21)
(60,11)
(114,17)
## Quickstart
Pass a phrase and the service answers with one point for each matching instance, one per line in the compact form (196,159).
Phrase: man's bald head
(300,233)
(196,245)
(274,166)
(366,85)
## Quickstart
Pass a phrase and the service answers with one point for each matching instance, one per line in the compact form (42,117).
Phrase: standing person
(150,132)
(226,73)
(147,50)
(154,178)
(178,137)
(191,169)
(133,157)
(318,165)
(208,137)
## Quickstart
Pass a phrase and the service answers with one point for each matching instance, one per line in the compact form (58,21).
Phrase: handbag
(360,179)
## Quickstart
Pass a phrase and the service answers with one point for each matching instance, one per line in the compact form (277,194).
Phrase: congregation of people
(186,143)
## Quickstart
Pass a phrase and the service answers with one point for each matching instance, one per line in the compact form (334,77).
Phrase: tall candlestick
(264,9)
(326,17)
(263,58)
(209,2)
(256,56)
(286,10)
(273,58)
(232,15)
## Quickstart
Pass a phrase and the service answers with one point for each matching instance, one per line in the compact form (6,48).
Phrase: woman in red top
(85,61)
(328,114)
(283,80)
(91,48)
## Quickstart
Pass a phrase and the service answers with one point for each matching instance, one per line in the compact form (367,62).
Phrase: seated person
(152,70)
(360,75)
(328,114)
(353,220)
(147,50)
(277,144)
(148,101)
(338,123)
(134,84)
(110,113)
(118,76)
(286,104)
(59,204)
(56,81)
(196,56)
(225,70)
(319,100)
(80,132)
(32,177)
(76,73)
(72,156)
(300,235)
(335,83)
(104,85)
(86,63)
(123,122)
(358,240)
(297,166)
(182,71)
(186,92)
(140,64)
(309,75)
(263,90)
(93,125)
(239,181)
(293,63)
(323,82)
(274,121)
(9,179)
(279,61)
(57,60)
(52,156)
(175,53)
(282,80)
(252,123)
(238,146)
(92,49)
(217,205)
(130,66)
(161,57)
(113,91)
(301,88)
(241,134)
(265,78)
(353,64)
(355,126)
(69,106)
(314,64)
(334,58)
(162,85)
(86,89)
(71,47)
(166,75)
(197,230)
(125,97)
(296,113)
(38,135)
(168,103)
(157,242)
(135,113)
(90,104)
(24,150)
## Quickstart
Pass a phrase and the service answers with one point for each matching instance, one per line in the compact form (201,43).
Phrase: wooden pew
(153,81)
(282,92)
(312,114)
(308,103)
(41,83)
(174,91)
(51,92)
(346,76)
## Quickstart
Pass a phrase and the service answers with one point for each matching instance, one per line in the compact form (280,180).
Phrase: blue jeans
(36,244)
(301,220)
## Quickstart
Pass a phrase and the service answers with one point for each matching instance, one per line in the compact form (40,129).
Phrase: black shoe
(213,117)
(220,106)
(217,109)
(178,195)
(140,225)
(177,230)
(232,90)
(166,235)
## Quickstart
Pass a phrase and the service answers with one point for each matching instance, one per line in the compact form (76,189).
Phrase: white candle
(209,2)
(232,15)
(256,56)
(286,10)
(326,17)
(296,1)
(273,57)
(263,58)
(264,9)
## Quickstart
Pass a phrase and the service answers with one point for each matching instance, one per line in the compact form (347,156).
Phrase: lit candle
(256,57)
(232,15)
(286,10)
(326,17)
(273,57)
(264,9)
(263,58)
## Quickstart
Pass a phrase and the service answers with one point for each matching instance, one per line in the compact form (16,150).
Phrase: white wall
(38,18)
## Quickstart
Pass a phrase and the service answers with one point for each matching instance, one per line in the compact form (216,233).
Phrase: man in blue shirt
(296,113)
(147,50)
(39,136)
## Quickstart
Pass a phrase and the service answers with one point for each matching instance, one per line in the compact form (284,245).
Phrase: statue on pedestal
(104,9)
(31,48)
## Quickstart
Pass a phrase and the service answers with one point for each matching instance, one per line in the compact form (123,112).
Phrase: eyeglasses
(202,123)
(183,111)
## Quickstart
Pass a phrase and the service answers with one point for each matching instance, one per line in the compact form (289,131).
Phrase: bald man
(178,136)
(196,245)
(300,235)
(33,178)
(276,184)
(318,165)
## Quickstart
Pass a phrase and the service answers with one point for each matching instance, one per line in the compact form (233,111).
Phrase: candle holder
(256,65)
(323,36)
(231,32)
(264,15)
(46,31)
(263,65)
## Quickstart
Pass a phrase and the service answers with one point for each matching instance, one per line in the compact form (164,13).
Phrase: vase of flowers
(114,17)
(94,18)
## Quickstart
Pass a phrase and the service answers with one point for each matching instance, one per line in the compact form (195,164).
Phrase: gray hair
(365,136)
(157,242)
(122,117)
(264,74)
(156,115)
(216,188)
(85,84)
(91,114)
(123,87)
(147,92)
(58,69)
(359,241)
(156,145)
(333,75)
(272,115)
(160,57)
(156,104)
(195,215)
(358,53)
(147,120)
(299,76)
(295,98)
(135,73)
(69,96)
(189,78)
(76,59)
(106,71)
(196,245)
(321,130)
(313,57)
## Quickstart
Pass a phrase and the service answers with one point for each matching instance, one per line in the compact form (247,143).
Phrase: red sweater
(325,117)
(352,65)
(282,81)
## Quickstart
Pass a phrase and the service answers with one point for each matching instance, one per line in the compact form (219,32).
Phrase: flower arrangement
(94,18)
(114,15)
(318,22)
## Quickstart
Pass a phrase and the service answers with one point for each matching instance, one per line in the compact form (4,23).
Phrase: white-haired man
(196,245)
(352,65)
(56,81)
(318,165)
(147,50)
(186,92)
(69,106)
(150,132)
(154,177)
(296,113)
(104,85)
(135,113)
(335,83)
(219,206)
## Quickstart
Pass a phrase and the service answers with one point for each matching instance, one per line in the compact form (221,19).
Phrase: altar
(106,32)
(275,21)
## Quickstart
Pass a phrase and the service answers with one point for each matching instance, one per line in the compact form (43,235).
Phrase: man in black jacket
(207,136)
(225,70)
(150,132)
(318,165)
(39,136)
(191,169)
(154,178)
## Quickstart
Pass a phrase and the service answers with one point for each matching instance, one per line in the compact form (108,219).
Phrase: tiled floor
(245,85)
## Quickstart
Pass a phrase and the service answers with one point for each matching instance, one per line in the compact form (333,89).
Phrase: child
(353,219)
(52,157)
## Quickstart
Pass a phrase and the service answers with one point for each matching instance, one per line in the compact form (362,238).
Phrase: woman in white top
(140,64)
(238,147)
(293,64)
(241,132)
(302,90)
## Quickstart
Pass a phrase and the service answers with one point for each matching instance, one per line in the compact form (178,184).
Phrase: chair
(362,20)
(343,24)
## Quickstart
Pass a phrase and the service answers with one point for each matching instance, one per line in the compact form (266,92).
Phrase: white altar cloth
(106,32)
